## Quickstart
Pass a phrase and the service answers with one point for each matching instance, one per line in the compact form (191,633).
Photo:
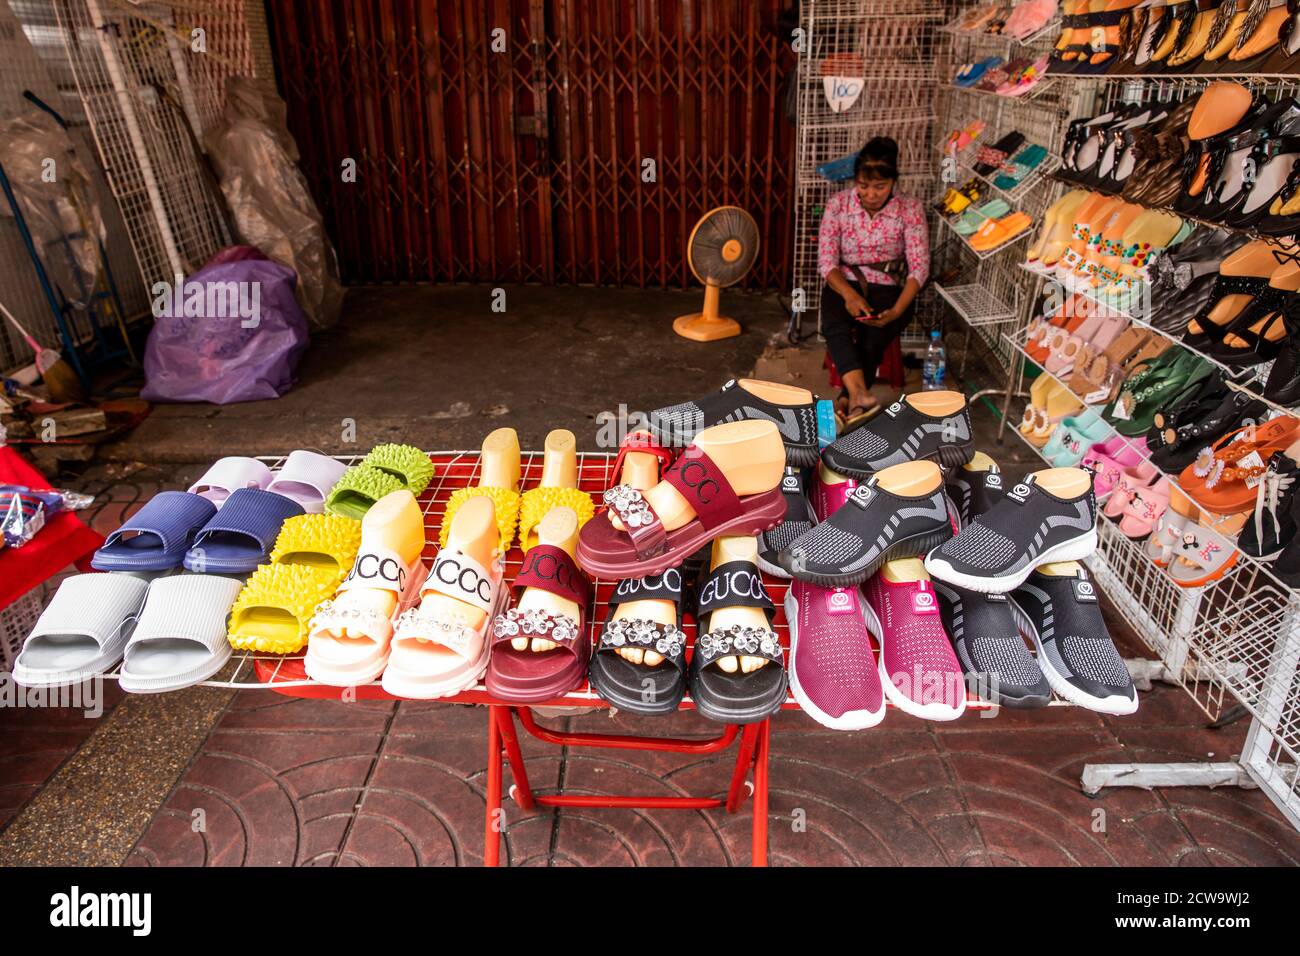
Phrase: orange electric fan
(722,248)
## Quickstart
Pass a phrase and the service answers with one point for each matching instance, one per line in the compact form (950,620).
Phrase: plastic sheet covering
(256,160)
(57,198)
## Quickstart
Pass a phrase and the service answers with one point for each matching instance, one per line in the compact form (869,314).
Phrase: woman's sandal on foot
(645,622)
(551,607)
(441,647)
(350,633)
(734,615)
(726,483)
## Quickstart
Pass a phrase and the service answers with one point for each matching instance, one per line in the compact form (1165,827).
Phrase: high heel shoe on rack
(1220,110)
(1242,276)
(1257,334)
(1180,282)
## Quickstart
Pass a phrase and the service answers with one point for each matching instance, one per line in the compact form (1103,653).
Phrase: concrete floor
(404,783)
(436,367)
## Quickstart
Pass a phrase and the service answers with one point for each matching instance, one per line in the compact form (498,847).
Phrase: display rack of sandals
(1167,347)
(999,115)
(865,69)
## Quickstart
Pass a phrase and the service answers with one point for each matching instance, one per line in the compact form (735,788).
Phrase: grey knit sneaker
(902,433)
(1026,527)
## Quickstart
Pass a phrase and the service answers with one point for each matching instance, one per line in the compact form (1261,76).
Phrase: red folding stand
(755,740)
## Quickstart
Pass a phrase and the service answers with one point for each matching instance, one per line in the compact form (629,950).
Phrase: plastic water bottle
(936,361)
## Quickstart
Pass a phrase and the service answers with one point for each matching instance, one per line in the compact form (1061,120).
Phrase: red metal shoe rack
(595,473)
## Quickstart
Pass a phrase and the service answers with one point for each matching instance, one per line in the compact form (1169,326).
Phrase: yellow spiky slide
(312,555)
(498,479)
(537,501)
(506,501)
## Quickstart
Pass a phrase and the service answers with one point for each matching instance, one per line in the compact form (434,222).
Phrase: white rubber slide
(181,636)
(83,631)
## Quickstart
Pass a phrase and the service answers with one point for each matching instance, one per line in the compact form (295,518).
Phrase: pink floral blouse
(850,235)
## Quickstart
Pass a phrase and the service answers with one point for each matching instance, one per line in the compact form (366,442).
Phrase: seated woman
(874,253)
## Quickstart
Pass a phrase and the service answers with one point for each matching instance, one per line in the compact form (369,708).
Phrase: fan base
(705,328)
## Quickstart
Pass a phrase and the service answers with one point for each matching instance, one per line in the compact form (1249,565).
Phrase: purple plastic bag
(232,332)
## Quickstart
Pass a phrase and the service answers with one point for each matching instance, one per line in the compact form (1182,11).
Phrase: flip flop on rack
(82,632)
(227,475)
(157,536)
(737,673)
(241,535)
(180,639)
(307,477)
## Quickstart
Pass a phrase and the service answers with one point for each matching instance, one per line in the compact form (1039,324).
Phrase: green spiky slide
(405,462)
(359,488)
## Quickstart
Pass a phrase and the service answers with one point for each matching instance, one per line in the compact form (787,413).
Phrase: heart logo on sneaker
(862,495)
(1084,592)
(923,603)
(893,410)
(790,483)
(992,480)
(839,601)
(1019,493)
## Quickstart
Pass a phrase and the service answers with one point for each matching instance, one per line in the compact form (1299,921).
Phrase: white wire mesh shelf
(975,304)
(982,254)
(1234,373)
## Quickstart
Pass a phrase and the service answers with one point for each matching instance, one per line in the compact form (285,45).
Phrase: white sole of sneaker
(854,719)
(1076,549)
(1114,704)
(775,570)
(936,711)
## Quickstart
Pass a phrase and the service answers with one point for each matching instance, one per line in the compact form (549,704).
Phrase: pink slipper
(1107,460)
(1145,509)
(1131,480)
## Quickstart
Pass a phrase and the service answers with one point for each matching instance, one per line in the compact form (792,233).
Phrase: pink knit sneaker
(833,672)
(919,672)
(826,499)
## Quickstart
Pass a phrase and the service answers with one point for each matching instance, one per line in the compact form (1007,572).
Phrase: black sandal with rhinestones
(651,690)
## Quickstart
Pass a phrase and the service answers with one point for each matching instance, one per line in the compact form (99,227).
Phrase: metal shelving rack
(989,294)
(895,43)
(1234,641)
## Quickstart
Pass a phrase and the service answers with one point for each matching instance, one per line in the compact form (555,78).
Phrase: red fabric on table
(64,540)
(891,366)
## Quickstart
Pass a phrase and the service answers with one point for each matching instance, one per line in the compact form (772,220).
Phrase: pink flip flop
(1107,460)
(646,548)
(527,676)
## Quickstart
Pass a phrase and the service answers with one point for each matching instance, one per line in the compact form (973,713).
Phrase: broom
(60,379)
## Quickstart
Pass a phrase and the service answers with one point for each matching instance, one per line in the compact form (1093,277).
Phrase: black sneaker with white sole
(973,492)
(872,527)
(901,433)
(676,426)
(798,520)
(997,663)
(1060,614)
(1026,527)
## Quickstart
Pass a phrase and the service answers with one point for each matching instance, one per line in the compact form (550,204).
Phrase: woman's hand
(857,306)
(881,318)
